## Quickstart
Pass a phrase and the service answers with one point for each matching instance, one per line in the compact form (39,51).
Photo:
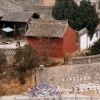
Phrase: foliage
(93,50)
(64,9)
(25,59)
(3,60)
(91,20)
(66,57)
(78,17)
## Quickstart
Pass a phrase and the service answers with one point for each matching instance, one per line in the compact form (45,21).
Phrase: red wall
(54,47)
(69,41)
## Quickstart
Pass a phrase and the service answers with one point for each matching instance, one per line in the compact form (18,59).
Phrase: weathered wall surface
(70,45)
(47,3)
(68,76)
(47,47)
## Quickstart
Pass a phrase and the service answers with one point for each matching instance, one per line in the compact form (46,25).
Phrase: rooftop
(17,16)
(45,28)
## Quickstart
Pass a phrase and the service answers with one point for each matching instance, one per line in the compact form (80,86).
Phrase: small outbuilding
(17,20)
(85,41)
(52,38)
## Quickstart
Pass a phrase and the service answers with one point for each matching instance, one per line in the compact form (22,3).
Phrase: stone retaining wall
(69,76)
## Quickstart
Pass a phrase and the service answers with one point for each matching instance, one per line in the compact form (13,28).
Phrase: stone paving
(13,44)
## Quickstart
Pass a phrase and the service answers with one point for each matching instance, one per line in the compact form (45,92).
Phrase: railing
(84,60)
(8,51)
(72,61)
(62,98)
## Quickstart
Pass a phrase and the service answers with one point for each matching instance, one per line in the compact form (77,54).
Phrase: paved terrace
(12,45)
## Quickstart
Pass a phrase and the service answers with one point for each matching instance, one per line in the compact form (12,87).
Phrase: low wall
(72,61)
(9,55)
(9,52)
(69,76)
(61,98)
(84,60)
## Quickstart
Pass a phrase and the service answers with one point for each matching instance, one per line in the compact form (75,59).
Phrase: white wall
(83,42)
(94,39)
(86,42)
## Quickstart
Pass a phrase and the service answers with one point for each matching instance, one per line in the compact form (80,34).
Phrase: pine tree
(95,49)
(64,9)
(78,17)
(3,60)
(89,16)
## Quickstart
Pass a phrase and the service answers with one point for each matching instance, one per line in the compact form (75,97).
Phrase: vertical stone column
(14,29)
(4,27)
(26,27)
(4,36)
(89,60)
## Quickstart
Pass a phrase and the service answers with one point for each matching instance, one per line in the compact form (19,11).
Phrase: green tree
(95,49)
(78,17)
(77,22)
(89,16)
(64,9)
(25,59)
(58,11)
(3,60)
(85,16)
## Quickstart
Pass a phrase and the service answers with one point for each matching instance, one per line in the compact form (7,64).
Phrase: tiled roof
(97,28)
(83,31)
(21,10)
(28,4)
(18,5)
(1,13)
(8,4)
(40,10)
(17,16)
(44,28)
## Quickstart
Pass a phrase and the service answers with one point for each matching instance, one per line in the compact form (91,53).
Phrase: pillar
(4,27)
(14,29)
(26,27)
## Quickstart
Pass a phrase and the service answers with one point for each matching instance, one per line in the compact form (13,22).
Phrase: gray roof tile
(17,16)
(44,28)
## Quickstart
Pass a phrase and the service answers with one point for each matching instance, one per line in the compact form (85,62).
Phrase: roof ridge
(15,2)
(50,21)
